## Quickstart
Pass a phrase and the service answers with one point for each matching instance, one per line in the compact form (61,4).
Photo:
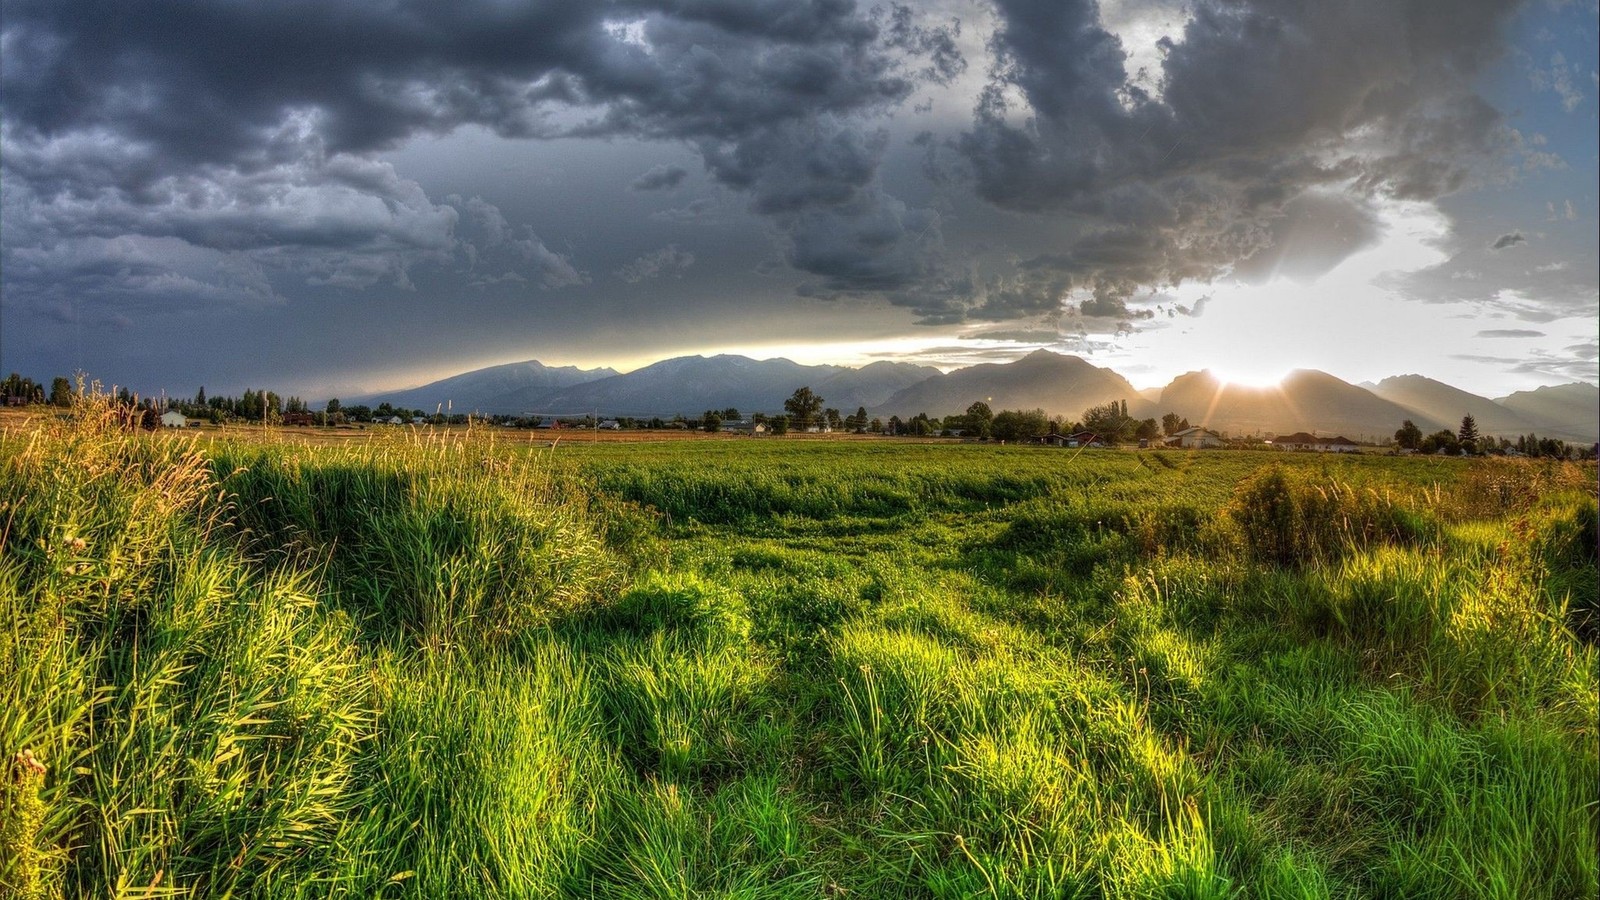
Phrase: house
(1195,438)
(610,425)
(742,426)
(1300,440)
(1052,439)
(1084,439)
(174,419)
(299,418)
(1339,444)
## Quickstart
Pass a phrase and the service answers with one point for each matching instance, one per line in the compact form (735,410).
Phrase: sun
(1243,375)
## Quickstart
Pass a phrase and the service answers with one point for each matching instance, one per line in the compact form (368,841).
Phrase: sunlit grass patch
(441,667)
(748,838)
(488,777)
(684,710)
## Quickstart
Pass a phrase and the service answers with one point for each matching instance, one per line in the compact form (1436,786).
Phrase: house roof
(1300,437)
(1194,431)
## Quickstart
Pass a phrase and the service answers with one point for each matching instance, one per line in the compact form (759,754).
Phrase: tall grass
(422,667)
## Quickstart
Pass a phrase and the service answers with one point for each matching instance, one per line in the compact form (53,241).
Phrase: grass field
(457,666)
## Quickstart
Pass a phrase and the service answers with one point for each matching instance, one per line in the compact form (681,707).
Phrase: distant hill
(1306,400)
(693,384)
(869,385)
(1567,411)
(1444,406)
(509,388)
(1060,385)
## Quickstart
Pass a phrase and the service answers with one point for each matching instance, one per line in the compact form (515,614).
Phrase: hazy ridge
(1062,385)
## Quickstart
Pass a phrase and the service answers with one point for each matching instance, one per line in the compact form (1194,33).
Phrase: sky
(325,196)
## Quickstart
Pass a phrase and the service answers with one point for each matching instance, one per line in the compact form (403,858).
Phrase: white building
(174,419)
(1195,438)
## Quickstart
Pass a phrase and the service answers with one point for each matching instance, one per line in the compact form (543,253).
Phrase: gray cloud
(1510,333)
(659,178)
(486,240)
(692,211)
(668,260)
(1575,363)
(255,130)
(1507,240)
(1212,167)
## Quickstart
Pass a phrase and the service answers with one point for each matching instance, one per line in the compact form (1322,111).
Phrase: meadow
(451,666)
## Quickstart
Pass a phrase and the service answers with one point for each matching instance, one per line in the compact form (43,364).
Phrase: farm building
(1196,438)
(743,426)
(174,419)
(1300,440)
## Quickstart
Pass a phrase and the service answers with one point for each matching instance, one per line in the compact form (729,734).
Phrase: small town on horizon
(1547,422)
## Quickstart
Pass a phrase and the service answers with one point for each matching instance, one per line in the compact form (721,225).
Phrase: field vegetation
(445,667)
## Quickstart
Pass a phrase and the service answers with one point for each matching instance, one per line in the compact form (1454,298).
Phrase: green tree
(731,414)
(977,420)
(333,406)
(1019,425)
(1147,430)
(1409,437)
(779,425)
(711,420)
(1444,439)
(1468,435)
(1172,424)
(60,392)
(803,407)
(1109,422)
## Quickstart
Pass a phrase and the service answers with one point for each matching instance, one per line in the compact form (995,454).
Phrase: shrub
(684,604)
(443,544)
(1289,519)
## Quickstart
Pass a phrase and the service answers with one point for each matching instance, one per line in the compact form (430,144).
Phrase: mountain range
(509,388)
(1306,400)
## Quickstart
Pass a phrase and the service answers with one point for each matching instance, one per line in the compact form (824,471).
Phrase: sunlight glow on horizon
(1347,323)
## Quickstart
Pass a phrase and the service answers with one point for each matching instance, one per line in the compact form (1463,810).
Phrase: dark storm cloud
(1510,239)
(935,43)
(250,128)
(1257,103)
(660,178)
(669,260)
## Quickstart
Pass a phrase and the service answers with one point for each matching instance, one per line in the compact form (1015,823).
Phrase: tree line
(1467,441)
